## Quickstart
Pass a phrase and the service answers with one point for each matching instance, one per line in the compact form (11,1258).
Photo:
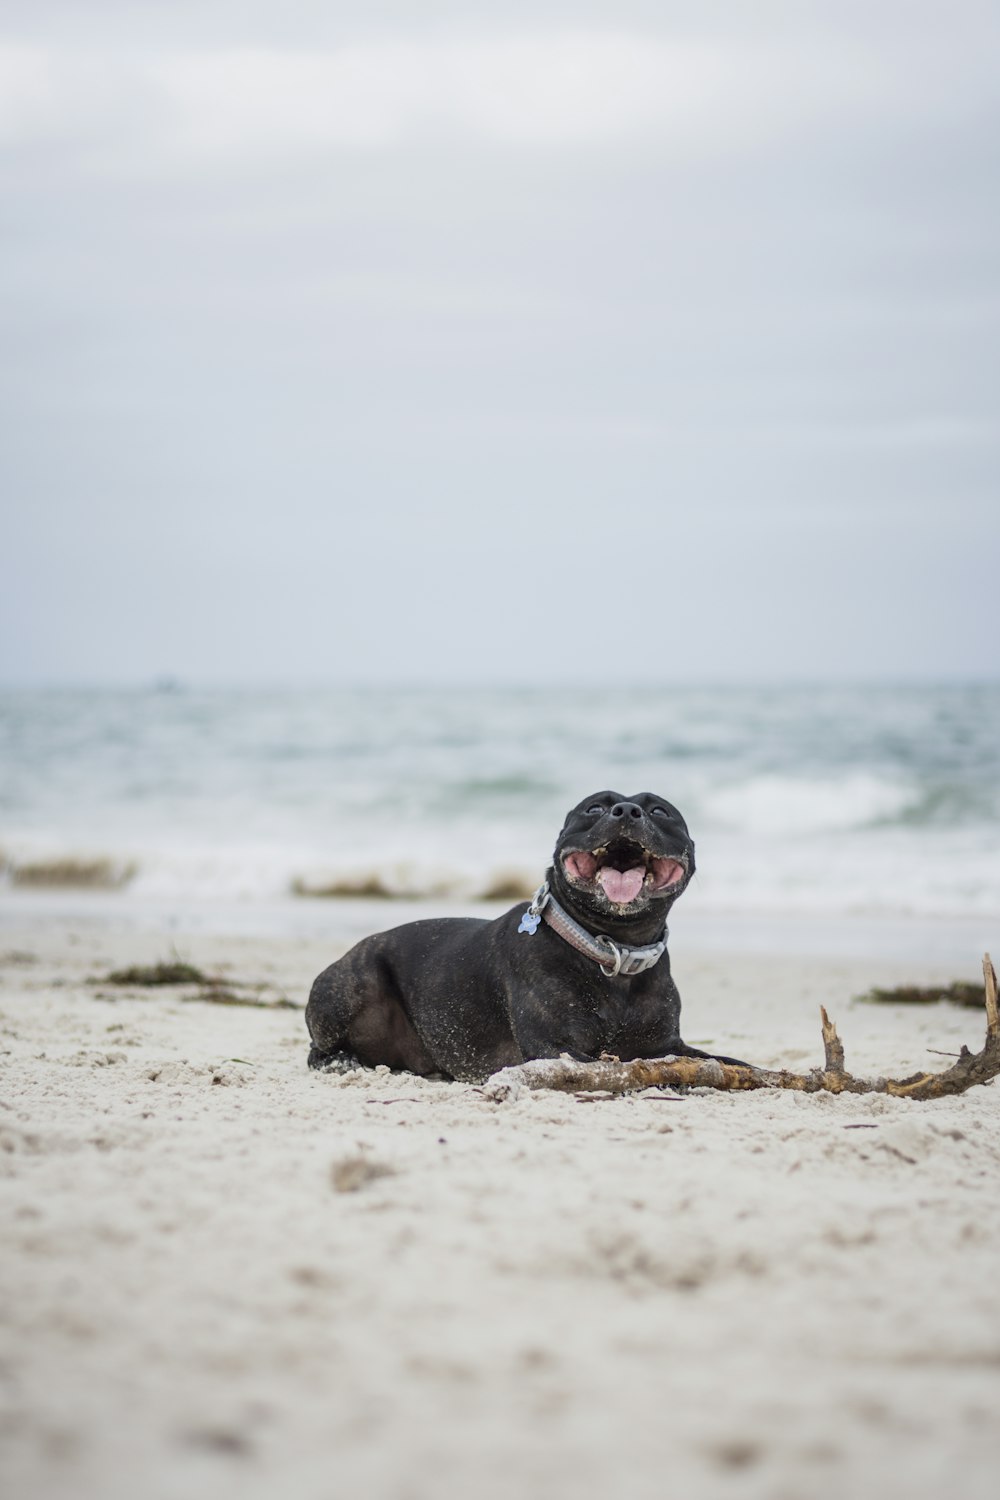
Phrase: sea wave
(795,805)
(819,799)
(860,873)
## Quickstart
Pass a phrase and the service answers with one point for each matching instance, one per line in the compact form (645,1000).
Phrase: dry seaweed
(369,887)
(73,874)
(512,887)
(213,994)
(212,989)
(960,992)
(150,976)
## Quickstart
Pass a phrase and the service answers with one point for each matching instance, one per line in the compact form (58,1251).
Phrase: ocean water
(871,800)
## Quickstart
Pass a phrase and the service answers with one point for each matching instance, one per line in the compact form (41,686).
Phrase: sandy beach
(224,1274)
(444,444)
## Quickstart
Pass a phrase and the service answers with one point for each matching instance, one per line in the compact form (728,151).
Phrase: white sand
(711,1295)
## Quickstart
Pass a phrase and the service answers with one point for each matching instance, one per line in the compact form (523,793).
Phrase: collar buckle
(617,955)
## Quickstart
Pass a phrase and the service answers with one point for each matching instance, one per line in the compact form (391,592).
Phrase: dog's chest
(616,1009)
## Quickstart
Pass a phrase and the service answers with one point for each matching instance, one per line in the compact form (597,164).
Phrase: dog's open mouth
(624,870)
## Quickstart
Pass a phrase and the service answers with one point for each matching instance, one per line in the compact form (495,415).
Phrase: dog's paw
(333,1062)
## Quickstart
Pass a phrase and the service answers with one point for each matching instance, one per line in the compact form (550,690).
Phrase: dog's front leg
(554,1030)
(677,1048)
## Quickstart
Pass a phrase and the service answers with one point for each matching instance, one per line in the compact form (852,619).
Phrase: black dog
(584,970)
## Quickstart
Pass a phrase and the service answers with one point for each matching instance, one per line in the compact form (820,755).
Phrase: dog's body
(465,997)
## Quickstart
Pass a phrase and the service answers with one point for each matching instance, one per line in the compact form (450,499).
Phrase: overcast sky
(636,341)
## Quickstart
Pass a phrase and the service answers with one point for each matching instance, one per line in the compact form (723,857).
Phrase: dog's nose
(626,810)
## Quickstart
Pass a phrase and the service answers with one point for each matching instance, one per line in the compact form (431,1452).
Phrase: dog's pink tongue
(621,886)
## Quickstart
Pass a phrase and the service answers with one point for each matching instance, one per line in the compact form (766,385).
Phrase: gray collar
(602,949)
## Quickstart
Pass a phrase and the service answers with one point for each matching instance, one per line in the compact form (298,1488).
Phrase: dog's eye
(595,807)
(661,812)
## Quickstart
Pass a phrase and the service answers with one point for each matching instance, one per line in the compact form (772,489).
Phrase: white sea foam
(834,800)
(793,805)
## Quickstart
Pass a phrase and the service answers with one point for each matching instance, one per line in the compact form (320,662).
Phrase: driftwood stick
(990,980)
(833,1047)
(616,1077)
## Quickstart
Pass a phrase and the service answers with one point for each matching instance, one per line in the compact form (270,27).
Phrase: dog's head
(622,860)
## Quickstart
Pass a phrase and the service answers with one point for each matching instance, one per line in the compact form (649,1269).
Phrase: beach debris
(152,975)
(18,956)
(212,989)
(508,885)
(609,1074)
(350,1173)
(72,874)
(368,887)
(399,882)
(960,992)
(225,994)
(219,1440)
(403,883)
